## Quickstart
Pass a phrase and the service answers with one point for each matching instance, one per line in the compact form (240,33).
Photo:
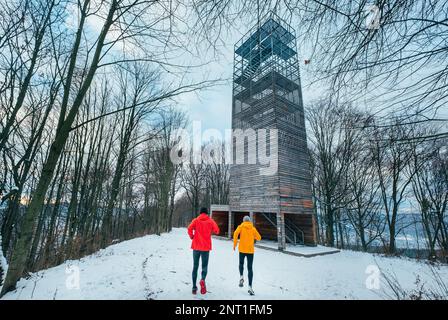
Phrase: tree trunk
(20,253)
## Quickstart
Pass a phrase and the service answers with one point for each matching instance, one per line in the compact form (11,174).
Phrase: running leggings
(250,261)
(204,257)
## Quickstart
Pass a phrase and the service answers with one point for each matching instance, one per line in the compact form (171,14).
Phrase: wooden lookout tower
(267,95)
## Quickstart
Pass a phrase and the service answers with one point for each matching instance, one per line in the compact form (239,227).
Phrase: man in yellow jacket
(247,234)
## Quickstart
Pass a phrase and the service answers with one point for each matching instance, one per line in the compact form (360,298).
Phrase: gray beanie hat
(246,218)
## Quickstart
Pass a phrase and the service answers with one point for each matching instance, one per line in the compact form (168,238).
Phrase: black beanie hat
(204,210)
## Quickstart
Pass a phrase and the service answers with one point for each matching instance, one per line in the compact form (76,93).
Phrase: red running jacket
(200,231)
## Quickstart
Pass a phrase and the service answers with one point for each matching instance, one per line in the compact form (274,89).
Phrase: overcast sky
(213,107)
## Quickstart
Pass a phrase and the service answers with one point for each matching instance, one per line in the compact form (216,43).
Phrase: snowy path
(159,267)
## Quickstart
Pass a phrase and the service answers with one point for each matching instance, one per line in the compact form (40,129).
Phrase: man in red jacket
(200,231)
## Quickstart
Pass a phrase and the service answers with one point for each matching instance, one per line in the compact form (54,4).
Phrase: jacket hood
(247,224)
(203,216)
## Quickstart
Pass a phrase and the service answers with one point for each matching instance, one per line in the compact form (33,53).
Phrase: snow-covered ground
(300,250)
(159,267)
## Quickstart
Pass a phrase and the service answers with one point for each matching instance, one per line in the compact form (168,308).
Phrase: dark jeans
(204,257)
(250,261)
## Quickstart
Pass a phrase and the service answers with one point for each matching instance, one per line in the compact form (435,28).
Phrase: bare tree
(125,24)
(193,182)
(362,202)
(430,188)
(332,149)
(392,159)
(136,87)
(161,174)
(216,174)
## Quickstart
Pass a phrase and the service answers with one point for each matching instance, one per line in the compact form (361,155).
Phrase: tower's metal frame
(267,94)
